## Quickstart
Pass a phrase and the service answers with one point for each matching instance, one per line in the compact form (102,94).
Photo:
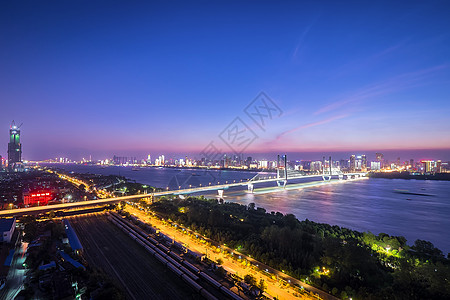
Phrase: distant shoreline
(407,175)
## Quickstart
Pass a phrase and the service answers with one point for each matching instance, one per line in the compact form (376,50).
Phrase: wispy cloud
(309,125)
(301,40)
(373,59)
(394,84)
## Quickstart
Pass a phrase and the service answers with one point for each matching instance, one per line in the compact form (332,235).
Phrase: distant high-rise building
(119,160)
(427,166)
(263,164)
(352,163)
(316,166)
(363,163)
(358,163)
(379,157)
(14,147)
(343,163)
(306,164)
(438,168)
(1,163)
(375,165)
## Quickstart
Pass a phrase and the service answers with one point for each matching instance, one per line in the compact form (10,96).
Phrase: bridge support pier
(282,183)
(326,177)
(341,176)
(220,193)
(250,187)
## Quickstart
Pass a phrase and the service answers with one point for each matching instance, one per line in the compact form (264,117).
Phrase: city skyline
(391,156)
(104,78)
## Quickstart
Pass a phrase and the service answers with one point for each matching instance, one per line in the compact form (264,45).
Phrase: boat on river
(406,192)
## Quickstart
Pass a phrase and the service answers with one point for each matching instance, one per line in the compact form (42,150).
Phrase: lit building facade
(352,164)
(36,198)
(375,166)
(427,165)
(363,163)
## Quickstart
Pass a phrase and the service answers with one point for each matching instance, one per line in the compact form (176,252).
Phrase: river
(363,205)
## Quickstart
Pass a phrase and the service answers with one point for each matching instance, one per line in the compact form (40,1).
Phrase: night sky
(134,78)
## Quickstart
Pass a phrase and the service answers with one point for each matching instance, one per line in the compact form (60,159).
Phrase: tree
(219,261)
(262,285)
(250,279)
(426,248)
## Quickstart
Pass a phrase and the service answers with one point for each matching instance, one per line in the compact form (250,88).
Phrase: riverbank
(345,262)
(364,205)
(407,175)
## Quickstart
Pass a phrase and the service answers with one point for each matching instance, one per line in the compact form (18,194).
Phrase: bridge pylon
(284,176)
(282,167)
(326,177)
(282,183)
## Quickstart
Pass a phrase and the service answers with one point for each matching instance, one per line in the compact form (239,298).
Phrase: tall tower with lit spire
(14,146)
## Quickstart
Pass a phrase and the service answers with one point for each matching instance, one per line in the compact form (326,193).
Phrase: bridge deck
(39,209)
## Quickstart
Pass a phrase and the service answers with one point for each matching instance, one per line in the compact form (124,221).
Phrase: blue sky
(113,77)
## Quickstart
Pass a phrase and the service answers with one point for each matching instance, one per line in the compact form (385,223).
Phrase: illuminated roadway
(274,288)
(105,201)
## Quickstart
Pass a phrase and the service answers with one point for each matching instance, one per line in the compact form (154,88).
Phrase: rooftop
(72,236)
(6,224)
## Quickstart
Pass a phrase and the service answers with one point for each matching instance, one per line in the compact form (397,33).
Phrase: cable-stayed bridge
(284,174)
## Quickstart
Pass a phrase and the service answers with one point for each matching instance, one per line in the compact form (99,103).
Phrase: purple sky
(109,78)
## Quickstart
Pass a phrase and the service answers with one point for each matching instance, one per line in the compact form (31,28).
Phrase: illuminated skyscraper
(427,165)
(352,163)
(14,147)
(438,168)
(363,163)
(379,156)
